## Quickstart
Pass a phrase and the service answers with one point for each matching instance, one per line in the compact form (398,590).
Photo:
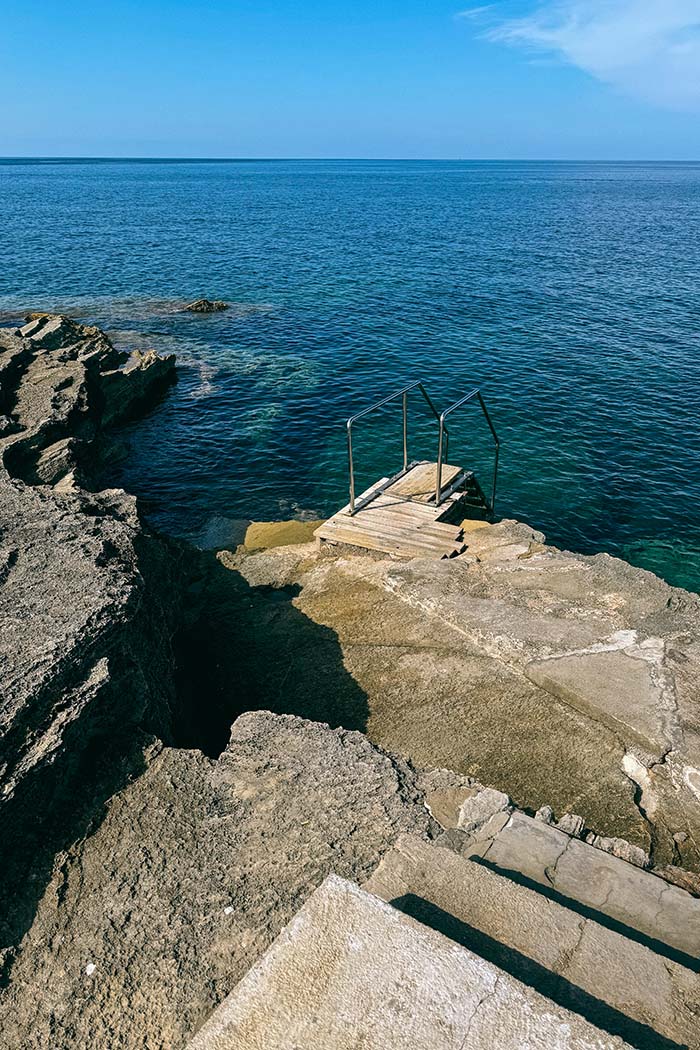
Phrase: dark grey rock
(207,306)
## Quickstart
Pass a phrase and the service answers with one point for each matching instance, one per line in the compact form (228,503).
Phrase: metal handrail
(458,404)
(403,394)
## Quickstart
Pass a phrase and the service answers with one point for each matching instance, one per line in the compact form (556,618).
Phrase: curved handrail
(380,404)
(458,404)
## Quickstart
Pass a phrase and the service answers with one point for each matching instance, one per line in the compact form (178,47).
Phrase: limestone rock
(538,674)
(350,971)
(85,666)
(571,824)
(132,390)
(480,807)
(62,383)
(192,872)
(619,848)
(545,814)
(514,926)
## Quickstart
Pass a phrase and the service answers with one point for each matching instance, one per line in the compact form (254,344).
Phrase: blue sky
(415,78)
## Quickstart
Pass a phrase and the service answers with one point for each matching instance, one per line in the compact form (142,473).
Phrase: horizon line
(363,160)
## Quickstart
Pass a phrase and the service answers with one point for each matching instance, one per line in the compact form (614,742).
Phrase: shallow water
(570,293)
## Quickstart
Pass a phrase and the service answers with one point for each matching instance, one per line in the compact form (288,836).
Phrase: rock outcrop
(63,383)
(561,679)
(85,654)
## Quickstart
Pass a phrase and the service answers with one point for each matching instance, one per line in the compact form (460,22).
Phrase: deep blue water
(569,292)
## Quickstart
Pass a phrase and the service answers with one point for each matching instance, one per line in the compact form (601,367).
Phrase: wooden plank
(361,536)
(388,533)
(389,540)
(419,484)
(388,545)
(397,520)
(419,511)
(377,522)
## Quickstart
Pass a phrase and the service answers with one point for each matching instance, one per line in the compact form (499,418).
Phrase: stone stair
(589,881)
(505,931)
(615,981)
(350,972)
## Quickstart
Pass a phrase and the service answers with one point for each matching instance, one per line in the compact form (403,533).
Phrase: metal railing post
(438,478)
(359,415)
(352,469)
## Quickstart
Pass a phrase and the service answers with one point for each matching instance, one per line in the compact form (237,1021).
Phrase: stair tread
(538,939)
(628,895)
(351,971)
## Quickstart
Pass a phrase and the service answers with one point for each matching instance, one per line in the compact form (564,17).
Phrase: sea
(567,293)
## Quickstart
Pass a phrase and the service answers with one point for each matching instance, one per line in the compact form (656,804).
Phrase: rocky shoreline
(192,741)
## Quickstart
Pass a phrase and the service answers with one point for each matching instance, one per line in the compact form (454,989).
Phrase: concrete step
(351,972)
(617,984)
(594,883)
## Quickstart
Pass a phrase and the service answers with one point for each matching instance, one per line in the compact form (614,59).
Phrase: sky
(516,79)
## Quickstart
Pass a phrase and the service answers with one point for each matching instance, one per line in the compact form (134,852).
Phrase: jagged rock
(480,807)
(195,868)
(687,880)
(87,603)
(619,848)
(545,814)
(75,341)
(61,383)
(134,389)
(571,824)
(207,306)
(56,461)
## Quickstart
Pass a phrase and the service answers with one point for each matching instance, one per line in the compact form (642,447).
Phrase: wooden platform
(400,519)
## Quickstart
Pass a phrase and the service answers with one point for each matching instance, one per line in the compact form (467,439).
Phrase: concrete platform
(616,983)
(351,972)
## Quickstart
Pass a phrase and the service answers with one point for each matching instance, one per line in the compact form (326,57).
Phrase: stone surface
(480,807)
(618,848)
(193,870)
(446,654)
(616,983)
(88,605)
(613,686)
(85,666)
(607,885)
(570,823)
(264,534)
(350,971)
(62,383)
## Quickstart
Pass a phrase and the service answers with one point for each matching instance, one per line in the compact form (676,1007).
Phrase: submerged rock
(207,306)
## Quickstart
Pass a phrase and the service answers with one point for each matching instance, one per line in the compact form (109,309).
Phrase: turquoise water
(569,292)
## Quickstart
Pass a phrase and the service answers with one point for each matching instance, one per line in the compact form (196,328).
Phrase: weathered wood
(400,520)
(419,484)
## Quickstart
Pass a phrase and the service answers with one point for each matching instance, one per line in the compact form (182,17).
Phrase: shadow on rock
(34,837)
(249,648)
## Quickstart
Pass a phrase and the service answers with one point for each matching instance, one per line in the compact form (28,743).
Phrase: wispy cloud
(647,48)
